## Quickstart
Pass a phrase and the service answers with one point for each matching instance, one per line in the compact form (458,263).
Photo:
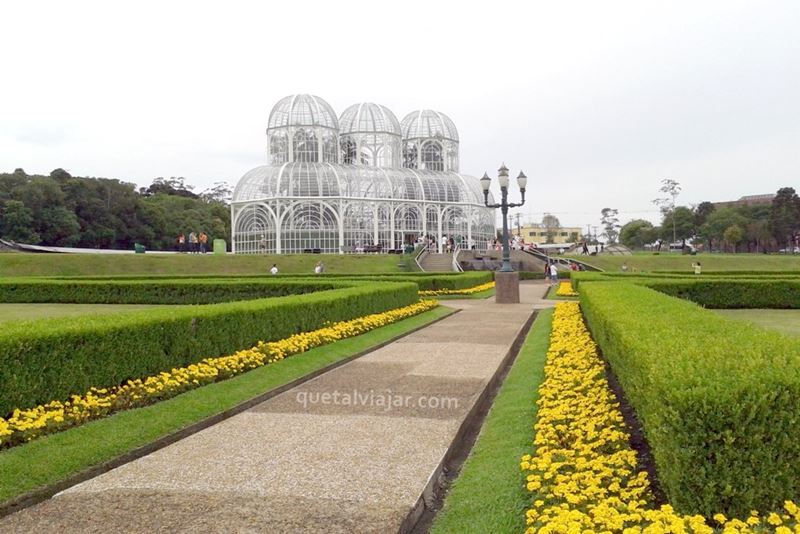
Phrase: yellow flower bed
(25,425)
(467,291)
(565,290)
(583,474)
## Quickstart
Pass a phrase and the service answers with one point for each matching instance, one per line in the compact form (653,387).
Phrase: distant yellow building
(537,233)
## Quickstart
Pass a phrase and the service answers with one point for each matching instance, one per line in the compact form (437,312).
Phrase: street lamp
(502,178)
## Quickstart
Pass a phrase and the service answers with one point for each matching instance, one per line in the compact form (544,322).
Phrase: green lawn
(27,312)
(56,457)
(786,321)
(670,261)
(489,494)
(21,264)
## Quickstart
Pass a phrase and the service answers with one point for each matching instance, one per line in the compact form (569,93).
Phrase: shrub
(719,401)
(722,293)
(51,359)
(155,292)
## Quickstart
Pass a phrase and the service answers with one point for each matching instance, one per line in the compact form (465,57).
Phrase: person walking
(181,242)
(553,273)
(192,242)
(203,239)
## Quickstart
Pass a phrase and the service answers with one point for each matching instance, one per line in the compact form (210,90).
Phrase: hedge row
(733,293)
(737,273)
(719,400)
(425,281)
(155,292)
(45,360)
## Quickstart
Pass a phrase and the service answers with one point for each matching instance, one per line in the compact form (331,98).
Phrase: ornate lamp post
(506,280)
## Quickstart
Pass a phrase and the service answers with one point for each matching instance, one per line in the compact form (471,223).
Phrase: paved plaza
(349,451)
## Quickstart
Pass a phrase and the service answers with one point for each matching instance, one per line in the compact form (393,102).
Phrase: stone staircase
(437,262)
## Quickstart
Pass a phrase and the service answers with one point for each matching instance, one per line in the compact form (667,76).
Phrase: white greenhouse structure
(362,182)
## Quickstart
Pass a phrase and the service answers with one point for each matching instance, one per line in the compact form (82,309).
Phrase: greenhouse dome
(369,134)
(430,141)
(302,128)
(354,195)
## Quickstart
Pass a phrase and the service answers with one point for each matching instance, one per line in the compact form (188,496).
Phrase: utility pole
(517,217)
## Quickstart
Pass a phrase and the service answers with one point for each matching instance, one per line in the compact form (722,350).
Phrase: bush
(718,400)
(155,292)
(721,293)
(51,359)
(425,281)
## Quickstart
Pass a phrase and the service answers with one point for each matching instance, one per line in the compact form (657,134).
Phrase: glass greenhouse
(362,182)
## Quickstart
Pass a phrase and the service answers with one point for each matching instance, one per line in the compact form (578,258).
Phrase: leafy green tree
(678,224)
(58,227)
(713,229)
(785,216)
(637,233)
(701,213)
(733,235)
(16,223)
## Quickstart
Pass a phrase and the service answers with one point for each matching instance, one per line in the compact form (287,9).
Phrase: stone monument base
(506,287)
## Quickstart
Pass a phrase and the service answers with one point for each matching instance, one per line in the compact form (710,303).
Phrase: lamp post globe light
(506,280)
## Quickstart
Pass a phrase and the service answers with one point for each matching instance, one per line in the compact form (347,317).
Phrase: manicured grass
(671,261)
(56,457)
(26,312)
(489,494)
(22,264)
(786,321)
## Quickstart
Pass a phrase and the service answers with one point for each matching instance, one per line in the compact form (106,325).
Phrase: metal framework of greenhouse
(364,181)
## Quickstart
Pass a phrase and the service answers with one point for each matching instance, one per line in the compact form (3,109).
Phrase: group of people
(195,243)
(598,248)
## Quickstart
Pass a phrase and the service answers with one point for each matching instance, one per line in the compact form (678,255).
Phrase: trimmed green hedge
(719,400)
(733,293)
(155,292)
(737,273)
(51,359)
(425,281)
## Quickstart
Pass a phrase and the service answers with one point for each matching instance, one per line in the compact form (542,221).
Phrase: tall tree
(610,222)
(678,224)
(785,216)
(671,189)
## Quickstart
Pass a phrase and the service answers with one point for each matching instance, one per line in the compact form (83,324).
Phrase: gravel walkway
(349,451)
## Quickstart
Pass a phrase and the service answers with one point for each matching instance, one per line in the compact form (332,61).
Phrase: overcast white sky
(595,101)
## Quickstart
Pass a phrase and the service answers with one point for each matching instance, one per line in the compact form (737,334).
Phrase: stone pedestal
(506,287)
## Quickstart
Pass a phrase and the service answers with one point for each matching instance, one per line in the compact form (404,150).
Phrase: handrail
(456,265)
(418,257)
(560,260)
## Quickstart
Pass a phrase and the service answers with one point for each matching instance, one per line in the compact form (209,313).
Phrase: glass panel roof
(355,181)
(428,124)
(302,110)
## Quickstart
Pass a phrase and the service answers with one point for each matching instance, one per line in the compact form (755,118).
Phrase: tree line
(732,228)
(72,211)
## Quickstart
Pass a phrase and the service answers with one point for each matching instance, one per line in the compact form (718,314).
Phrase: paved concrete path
(349,451)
